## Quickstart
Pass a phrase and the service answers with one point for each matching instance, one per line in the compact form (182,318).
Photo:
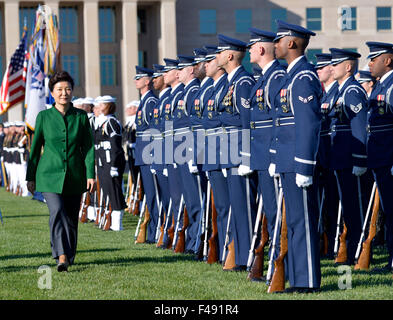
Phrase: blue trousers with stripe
(303,256)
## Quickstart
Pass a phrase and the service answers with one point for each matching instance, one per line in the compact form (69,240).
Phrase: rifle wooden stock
(230,259)
(138,198)
(181,240)
(161,238)
(277,284)
(212,255)
(86,204)
(108,218)
(143,228)
(256,271)
(171,233)
(342,251)
(363,263)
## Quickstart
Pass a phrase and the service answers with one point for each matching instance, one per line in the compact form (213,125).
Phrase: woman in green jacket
(65,168)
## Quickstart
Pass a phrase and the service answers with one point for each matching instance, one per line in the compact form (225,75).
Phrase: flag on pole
(12,89)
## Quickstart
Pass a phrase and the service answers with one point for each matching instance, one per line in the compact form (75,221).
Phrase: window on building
(314,19)
(207,21)
(69,24)
(27,15)
(107,27)
(108,70)
(384,18)
(70,63)
(310,54)
(348,16)
(277,14)
(142,58)
(243,18)
(141,21)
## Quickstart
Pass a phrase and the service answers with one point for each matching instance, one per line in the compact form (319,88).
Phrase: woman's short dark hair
(60,76)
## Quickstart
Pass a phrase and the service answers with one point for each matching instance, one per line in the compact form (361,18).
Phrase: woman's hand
(91,185)
(31,186)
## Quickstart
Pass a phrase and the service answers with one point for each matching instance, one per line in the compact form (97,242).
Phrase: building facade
(102,41)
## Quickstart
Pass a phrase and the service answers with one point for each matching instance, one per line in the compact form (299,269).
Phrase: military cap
(133,103)
(258,35)
(199,55)
(378,48)
(88,100)
(6,124)
(185,61)
(287,29)
(77,101)
(19,123)
(210,52)
(227,43)
(340,55)
(323,60)
(365,76)
(105,99)
(143,72)
(158,70)
(170,64)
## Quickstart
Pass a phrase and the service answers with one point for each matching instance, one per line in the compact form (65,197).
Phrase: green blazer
(67,160)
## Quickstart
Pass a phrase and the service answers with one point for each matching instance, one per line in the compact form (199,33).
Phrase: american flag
(12,88)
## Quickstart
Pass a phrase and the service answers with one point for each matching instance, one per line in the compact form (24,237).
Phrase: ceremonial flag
(12,88)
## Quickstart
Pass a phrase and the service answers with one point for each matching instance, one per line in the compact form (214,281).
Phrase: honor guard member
(88,105)
(348,155)
(175,187)
(261,47)
(380,133)
(142,150)
(157,167)
(193,184)
(297,127)
(328,193)
(234,114)
(113,160)
(23,156)
(129,137)
(213,132)
(367,81)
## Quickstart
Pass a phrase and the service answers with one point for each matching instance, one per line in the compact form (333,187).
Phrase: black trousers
(63,223)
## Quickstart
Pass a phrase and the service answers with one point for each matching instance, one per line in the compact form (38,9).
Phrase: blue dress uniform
(211,165)
(262,126)
(348,148)
(142,152)
(326,177)
(234,115)
(157,167)
(297,128)
(193,185)
(175,186)
(380,140)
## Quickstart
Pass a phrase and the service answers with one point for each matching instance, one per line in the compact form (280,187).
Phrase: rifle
(231,260)
(213,254)
(130,197)
(128,187)
(277,284)
(255,234)
(159,205)
(85,204)
(108,217)
(137,196)
(177,222)
(181,242)
(205,223)
(82,205)
(138,227)
(363,261)
(164,224)
(275,234)
(342,251)
(256,271)
(336,240)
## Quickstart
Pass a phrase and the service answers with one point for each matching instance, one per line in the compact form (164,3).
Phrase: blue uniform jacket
(380,125)
(262,115)
(234,114)
(298,120)
(348,118)
(324,141)
(143,115)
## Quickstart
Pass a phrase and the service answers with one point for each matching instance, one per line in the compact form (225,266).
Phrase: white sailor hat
(105,99)
(77,102)
(88,100)
(133,103)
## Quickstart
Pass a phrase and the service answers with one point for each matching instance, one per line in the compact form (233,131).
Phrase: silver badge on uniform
(356,108)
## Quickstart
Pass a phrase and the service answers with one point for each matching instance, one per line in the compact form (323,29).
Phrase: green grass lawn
(109,265)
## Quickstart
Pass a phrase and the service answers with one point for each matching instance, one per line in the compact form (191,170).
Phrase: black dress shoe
(237,269)
(386,269)
(301,290)
(62,267)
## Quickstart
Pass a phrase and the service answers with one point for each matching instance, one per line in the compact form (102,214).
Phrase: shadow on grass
(6,217)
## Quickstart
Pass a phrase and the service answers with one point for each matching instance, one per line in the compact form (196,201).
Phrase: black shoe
(386,269)
(301,290)
(261,279)
(237,269)
(62,267)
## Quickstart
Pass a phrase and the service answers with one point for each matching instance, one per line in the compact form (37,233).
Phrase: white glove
(244,170)
(175,165)
(272,169)
(114,172)
(224,172)
(358,171)
(165,172)
(303,181)
(193,169)
(153,171)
